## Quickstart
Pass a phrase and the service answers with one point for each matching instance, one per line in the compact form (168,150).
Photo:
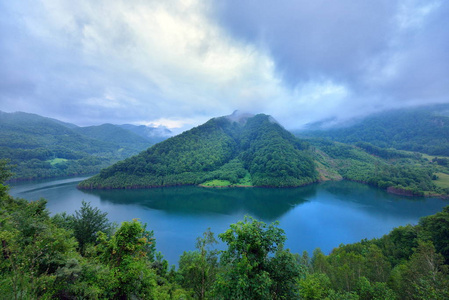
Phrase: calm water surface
(321,215)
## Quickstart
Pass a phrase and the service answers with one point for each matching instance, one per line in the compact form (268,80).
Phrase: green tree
(5,174)
(319,262)
(436,229)
(424,276)
(199,268)
(87,222)
(314,286)
(249,268)
(129,253)
(378,291)
(33,249)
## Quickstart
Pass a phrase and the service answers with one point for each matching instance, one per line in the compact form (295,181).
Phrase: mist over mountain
(240,149)
(421,129)
(153,134)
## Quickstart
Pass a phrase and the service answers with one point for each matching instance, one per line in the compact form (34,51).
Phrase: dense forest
(84,256)
(257,151)
(397,171)
(253,151)
(41,147)
(421,129)
(236,150)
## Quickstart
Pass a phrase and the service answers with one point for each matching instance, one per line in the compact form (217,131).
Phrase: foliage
(86,223)
(40,259)
(128,253)
(255,265)
(436,229)
(404,264)
(402,173)
(217,150)
(422,129)
(198,269)
(40,147)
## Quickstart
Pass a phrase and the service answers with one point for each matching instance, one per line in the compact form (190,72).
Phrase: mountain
(116,135)
(236,150)
(422,129)
(231,150)
(152,134)
(40,147)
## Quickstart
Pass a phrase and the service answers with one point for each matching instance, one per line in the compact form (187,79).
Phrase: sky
(180,63)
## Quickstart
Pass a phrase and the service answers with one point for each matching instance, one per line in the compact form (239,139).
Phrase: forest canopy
(257,147)
(85,256)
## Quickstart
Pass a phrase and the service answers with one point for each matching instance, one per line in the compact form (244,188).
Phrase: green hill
(249,150)
(404,150)
(42,147)
(422,129)
(152,134)
(399,172)
(113,134)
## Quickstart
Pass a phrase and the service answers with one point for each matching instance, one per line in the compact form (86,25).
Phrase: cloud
(179,63)
(383,53)
(168,57)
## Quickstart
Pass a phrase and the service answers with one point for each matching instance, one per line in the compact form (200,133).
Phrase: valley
(40,147)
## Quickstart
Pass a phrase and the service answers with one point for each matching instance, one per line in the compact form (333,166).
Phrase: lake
(322,215)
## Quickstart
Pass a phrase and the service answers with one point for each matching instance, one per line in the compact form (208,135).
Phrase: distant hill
(422,129)
(236,150)
(152,134)
(41,147)
(114,134)
(232,150)
(248,150)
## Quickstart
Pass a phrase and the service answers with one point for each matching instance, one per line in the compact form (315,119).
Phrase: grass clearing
(55,161)
(442,181)
(430,157)
(243,182)
(216,183)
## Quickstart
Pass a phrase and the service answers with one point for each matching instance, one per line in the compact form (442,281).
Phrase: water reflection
(378,202)
(321,215)
(262,203)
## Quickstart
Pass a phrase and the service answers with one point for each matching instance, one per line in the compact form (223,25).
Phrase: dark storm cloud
(390,50)
(314,38)
(423,64)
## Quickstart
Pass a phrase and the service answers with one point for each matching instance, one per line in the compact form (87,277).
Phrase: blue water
(321,215)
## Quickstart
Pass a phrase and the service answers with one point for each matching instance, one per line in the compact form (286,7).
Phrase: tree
(85,223)
(129,253)
(5,174)
(249,269)
(199,268)
(436,228)
(314,286)
(32,248)
(424,276)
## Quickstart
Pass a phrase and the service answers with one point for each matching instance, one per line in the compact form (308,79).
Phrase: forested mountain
(397,171)
(42,147)
(422,129)
(116,135)
(253,150)
(248,150)
(236,150)
(153,134)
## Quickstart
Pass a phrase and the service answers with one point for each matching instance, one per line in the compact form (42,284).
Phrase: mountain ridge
(423,129)
(259,147)
(42,147)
